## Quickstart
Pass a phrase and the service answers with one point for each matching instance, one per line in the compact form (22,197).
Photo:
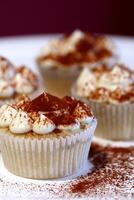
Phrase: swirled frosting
(106,84)
(75,48)
(7,70)
(45,114)
(14,80)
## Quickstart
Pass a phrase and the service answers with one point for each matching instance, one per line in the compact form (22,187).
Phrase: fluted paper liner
(59,81)
(115,121)
(46,158)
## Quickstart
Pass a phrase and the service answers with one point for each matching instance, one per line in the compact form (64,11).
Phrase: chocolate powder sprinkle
(113,170)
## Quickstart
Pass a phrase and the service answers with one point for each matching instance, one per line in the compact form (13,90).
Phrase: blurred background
(54,16)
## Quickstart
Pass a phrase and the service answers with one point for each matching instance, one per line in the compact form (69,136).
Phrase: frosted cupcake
(46,137)
(62,59)
(110,92)
(15,82)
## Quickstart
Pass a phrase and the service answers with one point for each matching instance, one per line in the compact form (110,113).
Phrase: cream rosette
(16,82)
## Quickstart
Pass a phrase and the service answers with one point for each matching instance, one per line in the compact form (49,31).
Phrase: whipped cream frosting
(75,48)
(102,83)
(45,114)
(6,89)
(7,70)
(14,80)
(63,45)
(71,127)
(21,123)
(7,113)
(43,125)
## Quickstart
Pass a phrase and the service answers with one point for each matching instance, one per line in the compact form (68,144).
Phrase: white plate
(23,50)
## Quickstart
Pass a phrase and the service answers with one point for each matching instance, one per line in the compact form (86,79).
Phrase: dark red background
(49,16)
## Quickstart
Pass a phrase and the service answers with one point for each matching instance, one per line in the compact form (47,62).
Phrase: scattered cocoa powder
(112,167)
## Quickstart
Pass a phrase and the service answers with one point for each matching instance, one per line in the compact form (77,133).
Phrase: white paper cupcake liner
(46,158)
(115,121)
(59,81)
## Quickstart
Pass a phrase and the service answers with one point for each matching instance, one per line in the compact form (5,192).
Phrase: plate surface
(23,50)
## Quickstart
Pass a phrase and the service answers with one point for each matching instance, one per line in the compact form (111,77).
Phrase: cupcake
(110,92)
(15,82)
(46,137)
(62,59)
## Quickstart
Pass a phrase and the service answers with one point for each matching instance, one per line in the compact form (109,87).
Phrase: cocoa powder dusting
(113,167)
(60,111)
(90,48)
(119,94)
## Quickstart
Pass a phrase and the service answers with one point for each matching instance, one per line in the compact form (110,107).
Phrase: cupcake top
(75,48)
(104,84)
(7,70)
(45,114)
(15,81)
